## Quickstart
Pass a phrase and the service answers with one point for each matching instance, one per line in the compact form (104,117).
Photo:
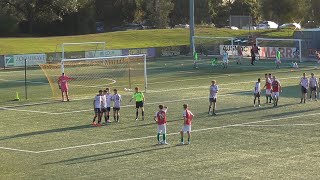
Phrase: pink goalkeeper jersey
(63,81)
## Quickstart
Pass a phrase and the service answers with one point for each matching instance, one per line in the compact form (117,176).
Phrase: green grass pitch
(44,139)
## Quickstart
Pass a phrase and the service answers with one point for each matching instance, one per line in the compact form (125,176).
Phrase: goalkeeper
(139,98)
(63,85)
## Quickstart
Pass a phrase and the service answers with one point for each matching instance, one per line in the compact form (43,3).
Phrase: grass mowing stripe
(132,105)
(197,130)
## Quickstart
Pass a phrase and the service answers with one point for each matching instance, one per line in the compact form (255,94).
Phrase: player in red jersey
(187,116)
(161,118)
(63,85)
(268,88)
(276,89)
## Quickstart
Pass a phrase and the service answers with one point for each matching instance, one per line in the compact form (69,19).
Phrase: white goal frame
(63,45)
(294,40)
(208,37)
(144,56)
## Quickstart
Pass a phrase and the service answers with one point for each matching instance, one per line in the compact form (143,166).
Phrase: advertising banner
(106,53)
(151,52)
(270,52)
(19,60)
(232,50)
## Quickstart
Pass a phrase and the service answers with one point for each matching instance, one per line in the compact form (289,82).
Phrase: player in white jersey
(225,59)
(213,91)
(116,98)
(257,93)
(97,104)
(304,83)
(313,84)
(106,99)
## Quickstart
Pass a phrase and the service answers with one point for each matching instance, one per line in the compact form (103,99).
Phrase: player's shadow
(248,109)
(31,104)
(114,154)
(45,132)
(291,113)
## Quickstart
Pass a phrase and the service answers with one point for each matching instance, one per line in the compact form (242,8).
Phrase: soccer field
(48,139)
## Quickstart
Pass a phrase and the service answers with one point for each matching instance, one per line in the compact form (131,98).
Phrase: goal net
(211,46)
(290,49)
(91,74)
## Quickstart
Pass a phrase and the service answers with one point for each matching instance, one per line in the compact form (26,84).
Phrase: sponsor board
(270,52)
(150,52)
(19,60)
(106,53)
(232,50)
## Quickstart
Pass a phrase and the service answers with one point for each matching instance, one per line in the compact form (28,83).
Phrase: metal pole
(25,79)
(191,11)
(145,73)
(300,49)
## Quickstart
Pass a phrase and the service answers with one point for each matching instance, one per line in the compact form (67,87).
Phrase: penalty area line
(170,134)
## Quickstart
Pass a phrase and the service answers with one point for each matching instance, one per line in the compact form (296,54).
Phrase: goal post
(91,74)
(292,48)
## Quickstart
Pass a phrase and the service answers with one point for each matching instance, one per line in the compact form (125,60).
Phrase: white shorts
(225,61)
(278,62)
(186,128)
(268,91)
(162,128)
(275,94)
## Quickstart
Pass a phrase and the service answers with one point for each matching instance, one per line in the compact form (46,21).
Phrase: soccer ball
(125,89)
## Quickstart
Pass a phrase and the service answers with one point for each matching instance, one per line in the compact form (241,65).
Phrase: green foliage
(246,7)
(50,17)
(285,11)
(158,12)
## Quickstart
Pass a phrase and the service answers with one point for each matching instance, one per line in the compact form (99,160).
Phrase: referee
(139,98)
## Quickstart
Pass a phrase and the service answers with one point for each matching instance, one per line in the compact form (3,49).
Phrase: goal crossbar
(108,57)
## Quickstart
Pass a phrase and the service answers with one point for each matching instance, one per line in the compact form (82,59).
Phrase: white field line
(167,90)
(132,105)
(149,137)
(162,82)
(279,125)
(197,130)
(19,150)
(29,111)
(223,76)
(200,87)
(76,85)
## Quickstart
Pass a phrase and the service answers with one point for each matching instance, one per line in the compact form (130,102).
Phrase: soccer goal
(91,74)
(213,46)
(290,49)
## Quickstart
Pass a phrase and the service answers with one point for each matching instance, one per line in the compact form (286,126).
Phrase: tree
(285,10)
(247,8)
(43,10)
(158,12)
